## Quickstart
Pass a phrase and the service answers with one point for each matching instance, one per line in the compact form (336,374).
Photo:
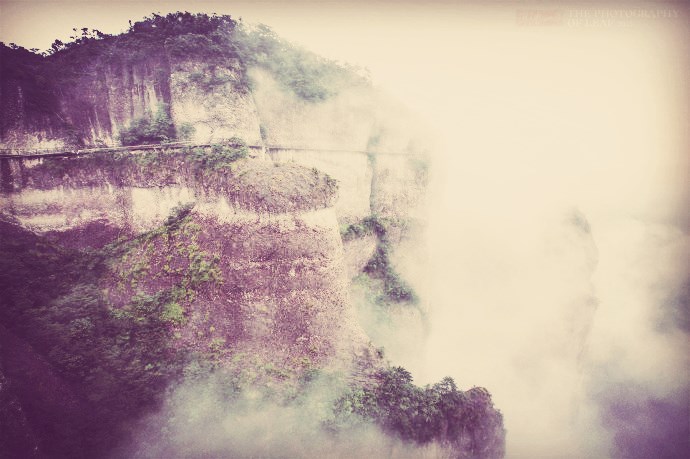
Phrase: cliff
(178,271)
(268,233)
(130,276)
(239,268)
(214,77)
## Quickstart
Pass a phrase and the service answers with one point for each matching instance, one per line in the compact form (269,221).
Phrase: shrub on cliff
(465,421)
(308,76)
(379,265)
(219,156)
(150,128)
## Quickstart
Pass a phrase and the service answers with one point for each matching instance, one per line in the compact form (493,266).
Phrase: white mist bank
(548,130)
(558,227)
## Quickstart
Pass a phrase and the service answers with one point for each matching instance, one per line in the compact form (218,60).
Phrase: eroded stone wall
(277,304)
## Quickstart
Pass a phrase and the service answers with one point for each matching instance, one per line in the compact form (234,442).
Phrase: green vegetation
(434,413)
(253,185)
(171,252)
(108,322)
(379,267)
(125,166)
(150,128)
(212,77)
(181,34)
(310,77)
(18,65)
(221,155)
(185,131)
(198,46)
(367,226)
(116,346)
(173,313)
(120,359)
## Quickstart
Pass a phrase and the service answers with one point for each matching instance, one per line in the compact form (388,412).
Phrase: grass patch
(173,313)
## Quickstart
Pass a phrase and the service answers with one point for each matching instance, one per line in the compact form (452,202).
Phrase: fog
(559,227)
(558,212)
(558,233)
(200,420)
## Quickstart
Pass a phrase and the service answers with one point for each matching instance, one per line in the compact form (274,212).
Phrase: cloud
(201,419)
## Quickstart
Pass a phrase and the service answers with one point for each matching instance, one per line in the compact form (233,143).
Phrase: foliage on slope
(151,128)
(464,421)
(120,359)
(309,76)
(106,321)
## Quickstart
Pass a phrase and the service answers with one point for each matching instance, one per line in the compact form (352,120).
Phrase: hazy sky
(541,109)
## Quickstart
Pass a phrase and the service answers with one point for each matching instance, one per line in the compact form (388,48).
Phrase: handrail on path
(66,153)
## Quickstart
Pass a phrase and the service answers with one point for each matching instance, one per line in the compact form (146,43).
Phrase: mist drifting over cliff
(560,233)
(558,237)
(559,227)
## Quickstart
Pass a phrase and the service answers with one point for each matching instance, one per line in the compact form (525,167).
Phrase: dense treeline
(116,362)
(465,421)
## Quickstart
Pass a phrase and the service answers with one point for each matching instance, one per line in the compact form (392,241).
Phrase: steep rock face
(210,98)
(92,105)
(87,105)
(279,292)
(126,91)
(276,301)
